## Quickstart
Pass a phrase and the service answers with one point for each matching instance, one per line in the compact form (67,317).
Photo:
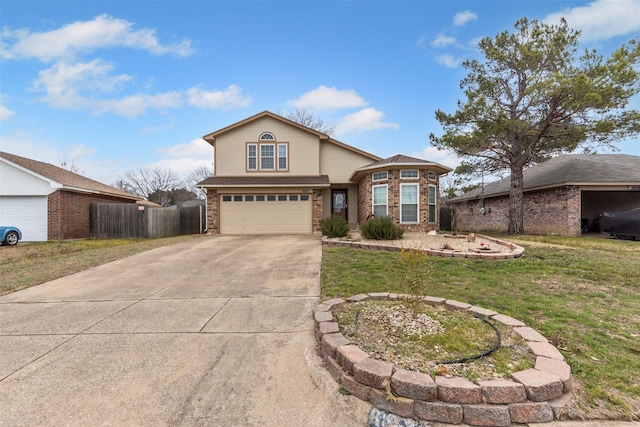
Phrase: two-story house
(272,175)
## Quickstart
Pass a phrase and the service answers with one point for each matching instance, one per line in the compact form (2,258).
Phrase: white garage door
(265,214)
(29,214)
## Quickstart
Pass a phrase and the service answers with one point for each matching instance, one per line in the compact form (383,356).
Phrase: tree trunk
(516,218)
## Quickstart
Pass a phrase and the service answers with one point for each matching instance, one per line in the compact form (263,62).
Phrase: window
(409,203)
(293,198)
(237,198)
(252,157)
(432,176)
(380,176)
(282,197)
(226,198)
(304,197)
(282,157)
(248,198)
(267,157)
(271,198)
(432,203)
(380,200)
(408,174)
(260,198)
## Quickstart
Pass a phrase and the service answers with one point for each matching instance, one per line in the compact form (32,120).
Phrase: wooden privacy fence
(128,220)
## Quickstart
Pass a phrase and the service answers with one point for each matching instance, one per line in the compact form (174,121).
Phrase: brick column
(213,221)
(317,209)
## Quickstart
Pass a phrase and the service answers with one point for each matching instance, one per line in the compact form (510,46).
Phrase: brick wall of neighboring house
(365,202)
(69,213)
(551,211)
(213,221)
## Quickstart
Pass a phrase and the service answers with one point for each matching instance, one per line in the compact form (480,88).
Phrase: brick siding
(69,213)
(393,182)
(213,218)
(552,211)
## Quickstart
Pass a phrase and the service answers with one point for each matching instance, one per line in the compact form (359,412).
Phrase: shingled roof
(266,181)
(570,169)
(67,179)
(399,161)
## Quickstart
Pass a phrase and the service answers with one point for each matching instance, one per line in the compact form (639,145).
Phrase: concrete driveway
(216,331)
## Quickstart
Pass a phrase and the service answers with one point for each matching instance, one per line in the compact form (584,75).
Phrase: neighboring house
(564,195)
(47,202)
(272,175)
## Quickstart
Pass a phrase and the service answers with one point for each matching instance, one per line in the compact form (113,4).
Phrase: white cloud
(81,150)
(5,113)
(79,85)
(134,105)
(601,19)
(63,80)
(448,60)
(443,40)
(462,18)
(78,37)
(198,148)
(364,120)
(444,157)
(328,98)
(185,158)
(231,97)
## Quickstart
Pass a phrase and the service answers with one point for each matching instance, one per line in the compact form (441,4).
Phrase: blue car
(10,235)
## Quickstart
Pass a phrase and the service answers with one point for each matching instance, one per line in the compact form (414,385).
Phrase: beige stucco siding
(339,162)
(231,155)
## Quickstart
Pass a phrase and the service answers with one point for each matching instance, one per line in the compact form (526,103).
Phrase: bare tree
(150,183)
(308,118)
(70,166)
(199,174)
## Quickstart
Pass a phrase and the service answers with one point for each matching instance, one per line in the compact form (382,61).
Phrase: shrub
(380,228)
(334,226)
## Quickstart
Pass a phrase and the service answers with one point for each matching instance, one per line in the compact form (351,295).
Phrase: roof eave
(357,174)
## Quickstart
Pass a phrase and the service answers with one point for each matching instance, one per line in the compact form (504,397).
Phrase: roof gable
(211,137)
(59,177)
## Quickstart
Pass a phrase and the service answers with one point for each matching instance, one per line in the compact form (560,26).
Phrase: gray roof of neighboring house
(69,180)
(266,181)
(568,169)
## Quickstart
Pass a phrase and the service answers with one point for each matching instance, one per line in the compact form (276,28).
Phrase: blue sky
(113,86)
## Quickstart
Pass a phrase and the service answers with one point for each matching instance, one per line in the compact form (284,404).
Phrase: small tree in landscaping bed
(334,226)
(380,228)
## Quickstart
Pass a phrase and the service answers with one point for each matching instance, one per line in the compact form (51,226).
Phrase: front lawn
(30,264)
(583,294)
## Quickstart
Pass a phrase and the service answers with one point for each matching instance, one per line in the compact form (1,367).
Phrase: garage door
(29,214)
(265,214)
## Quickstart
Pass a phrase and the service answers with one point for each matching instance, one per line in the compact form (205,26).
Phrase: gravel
(421,240)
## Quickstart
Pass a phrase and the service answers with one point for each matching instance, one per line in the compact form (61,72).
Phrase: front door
(339,203)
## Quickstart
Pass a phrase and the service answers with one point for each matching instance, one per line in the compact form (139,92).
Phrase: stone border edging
(534,395)
(516,251)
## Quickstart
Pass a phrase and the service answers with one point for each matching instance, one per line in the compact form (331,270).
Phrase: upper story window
(267,154)
(283,163)
(380,176)
(409,174)
(432,176)
(267,157)
(252,157)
